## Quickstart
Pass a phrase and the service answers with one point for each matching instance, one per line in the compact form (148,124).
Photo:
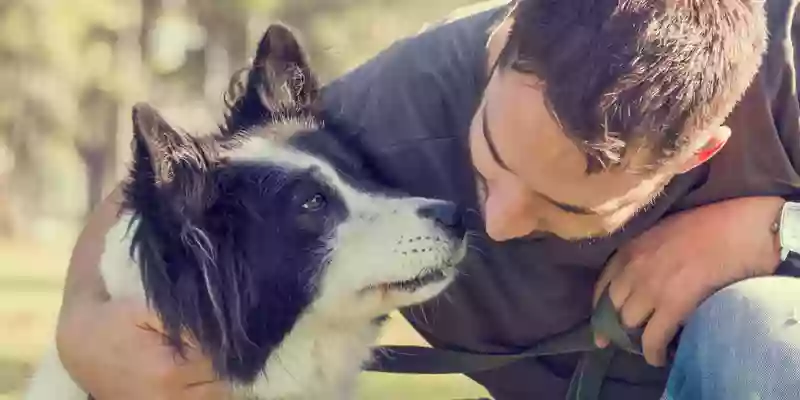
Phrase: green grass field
(30,285)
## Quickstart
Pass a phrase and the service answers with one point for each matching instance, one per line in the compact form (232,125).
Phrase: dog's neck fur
(318,359)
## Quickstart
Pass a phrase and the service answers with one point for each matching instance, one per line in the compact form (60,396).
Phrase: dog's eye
(315,203)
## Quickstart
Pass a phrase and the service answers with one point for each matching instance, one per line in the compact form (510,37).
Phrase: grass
(31,278)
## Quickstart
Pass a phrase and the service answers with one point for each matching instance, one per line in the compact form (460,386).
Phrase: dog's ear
(280,72)
(168,158)
(279,82)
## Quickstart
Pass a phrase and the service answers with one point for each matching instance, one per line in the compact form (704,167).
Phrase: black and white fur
(268,257)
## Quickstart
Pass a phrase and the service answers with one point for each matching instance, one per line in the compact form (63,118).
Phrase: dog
(278,265)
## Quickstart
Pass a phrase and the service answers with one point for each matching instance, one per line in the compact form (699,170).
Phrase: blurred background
(70,71)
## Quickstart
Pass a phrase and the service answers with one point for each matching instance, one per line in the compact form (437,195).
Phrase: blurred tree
(72,69)
(345,33)
(61,77)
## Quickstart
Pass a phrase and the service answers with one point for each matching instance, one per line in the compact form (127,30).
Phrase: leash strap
(406,359)
(586,382)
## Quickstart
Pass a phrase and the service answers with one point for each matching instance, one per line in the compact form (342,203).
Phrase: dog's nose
(445,214)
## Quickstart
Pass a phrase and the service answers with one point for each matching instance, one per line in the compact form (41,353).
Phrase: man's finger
(190,369)
(638,307)
(610,271)
(664,324)
(621,287)
(601,341)
(201,381)
(147,319)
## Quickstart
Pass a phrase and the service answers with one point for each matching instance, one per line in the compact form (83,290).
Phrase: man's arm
(113,348)
(83,276)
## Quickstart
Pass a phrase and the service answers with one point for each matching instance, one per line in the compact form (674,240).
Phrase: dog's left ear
(167,160)
(279,82)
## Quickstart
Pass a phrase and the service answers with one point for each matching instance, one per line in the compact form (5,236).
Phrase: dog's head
(240,236)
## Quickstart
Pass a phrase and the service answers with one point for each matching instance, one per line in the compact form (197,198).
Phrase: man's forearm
(83,276)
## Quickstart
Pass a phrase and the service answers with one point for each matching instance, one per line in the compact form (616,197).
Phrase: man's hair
(650,73)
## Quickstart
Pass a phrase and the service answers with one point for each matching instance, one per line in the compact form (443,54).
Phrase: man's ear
(166,159)
(279,82)
(716,139)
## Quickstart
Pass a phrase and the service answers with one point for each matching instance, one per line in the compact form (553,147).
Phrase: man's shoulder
(404,113)
(405,85)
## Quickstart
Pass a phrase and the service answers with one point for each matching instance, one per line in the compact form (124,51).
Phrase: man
(584,132)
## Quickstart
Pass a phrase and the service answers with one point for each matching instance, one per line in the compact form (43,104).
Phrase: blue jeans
(743,343)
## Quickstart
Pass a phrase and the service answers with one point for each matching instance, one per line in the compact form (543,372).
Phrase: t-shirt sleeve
(762,157)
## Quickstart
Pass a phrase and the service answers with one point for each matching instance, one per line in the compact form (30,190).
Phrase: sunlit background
(70,71)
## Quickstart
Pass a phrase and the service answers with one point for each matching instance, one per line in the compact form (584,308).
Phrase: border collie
(276,264)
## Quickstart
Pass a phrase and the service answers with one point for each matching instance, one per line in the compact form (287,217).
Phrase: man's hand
(115,351)
(661,277)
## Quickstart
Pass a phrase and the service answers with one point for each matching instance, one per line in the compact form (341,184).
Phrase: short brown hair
(644,72)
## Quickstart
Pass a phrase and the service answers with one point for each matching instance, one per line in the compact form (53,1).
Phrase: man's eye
(315,203)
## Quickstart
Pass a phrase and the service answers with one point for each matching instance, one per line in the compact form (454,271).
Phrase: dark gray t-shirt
(406,115)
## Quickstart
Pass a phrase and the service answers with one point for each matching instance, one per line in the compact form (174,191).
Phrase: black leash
(587,380)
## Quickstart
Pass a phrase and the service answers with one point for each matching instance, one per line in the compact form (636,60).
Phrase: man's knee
(759,316)
(758,300)
(743,341)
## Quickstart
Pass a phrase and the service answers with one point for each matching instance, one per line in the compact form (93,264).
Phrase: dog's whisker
(477,249)
(448,297)
(413,315)
(424,315)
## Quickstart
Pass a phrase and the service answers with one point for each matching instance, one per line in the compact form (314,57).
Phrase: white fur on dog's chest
(315,360)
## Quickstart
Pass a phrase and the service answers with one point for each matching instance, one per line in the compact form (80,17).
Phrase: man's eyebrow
(487,135)
(493,150)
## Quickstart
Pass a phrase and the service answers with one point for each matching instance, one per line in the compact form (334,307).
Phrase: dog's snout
(445,214)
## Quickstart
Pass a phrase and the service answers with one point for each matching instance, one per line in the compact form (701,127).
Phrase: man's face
(535,179)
